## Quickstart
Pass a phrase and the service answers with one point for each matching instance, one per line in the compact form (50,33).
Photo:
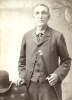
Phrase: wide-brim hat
(5,84)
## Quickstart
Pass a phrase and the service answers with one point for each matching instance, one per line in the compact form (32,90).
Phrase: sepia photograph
(35,49)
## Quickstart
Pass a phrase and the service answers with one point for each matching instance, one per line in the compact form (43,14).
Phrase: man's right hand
(19,82)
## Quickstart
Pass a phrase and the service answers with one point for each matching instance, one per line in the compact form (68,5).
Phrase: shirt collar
(37,32)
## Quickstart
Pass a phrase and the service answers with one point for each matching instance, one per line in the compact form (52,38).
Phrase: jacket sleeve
(22,59)
(65,60)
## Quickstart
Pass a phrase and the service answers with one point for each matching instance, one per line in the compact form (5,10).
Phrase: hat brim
(6,89)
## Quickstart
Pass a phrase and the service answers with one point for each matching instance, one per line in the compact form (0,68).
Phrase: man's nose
(40,15)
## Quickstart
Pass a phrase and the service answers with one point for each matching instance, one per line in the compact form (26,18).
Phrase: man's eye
(37,12)
(44,12)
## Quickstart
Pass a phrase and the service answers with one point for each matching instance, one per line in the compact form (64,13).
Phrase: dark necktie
(39,36)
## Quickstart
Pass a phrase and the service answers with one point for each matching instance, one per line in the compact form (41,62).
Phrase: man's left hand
(52,79)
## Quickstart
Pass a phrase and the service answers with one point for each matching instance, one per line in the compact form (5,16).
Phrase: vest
(39,73)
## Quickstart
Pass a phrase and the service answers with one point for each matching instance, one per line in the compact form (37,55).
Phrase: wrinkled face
(41,15)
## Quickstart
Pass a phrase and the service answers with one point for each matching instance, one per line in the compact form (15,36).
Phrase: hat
(5,84)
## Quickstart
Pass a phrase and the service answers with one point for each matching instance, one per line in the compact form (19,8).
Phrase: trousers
(41,91)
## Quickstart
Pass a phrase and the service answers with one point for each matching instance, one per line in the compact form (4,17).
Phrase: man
(31,68)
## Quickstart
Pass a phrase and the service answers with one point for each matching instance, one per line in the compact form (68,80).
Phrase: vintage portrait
(35,49)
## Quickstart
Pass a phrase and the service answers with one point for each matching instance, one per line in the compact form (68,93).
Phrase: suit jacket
(53,47)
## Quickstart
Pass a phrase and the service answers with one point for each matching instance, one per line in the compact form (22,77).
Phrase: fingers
(19,82)
(16,82)
(53,82)
(53,79)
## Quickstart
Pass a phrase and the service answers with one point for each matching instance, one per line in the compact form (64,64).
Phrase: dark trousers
(41,91)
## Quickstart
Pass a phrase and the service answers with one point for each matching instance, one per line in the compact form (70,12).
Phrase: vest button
(38,65)
(22,94)
(38,74)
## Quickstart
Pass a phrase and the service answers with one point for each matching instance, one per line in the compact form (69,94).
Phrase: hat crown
(4,79)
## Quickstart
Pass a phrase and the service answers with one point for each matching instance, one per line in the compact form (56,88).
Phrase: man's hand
(19,82)
(52,79)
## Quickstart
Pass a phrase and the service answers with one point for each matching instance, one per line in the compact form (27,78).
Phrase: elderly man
(31,68)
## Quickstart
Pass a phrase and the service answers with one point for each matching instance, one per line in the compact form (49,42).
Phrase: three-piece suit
(53,47)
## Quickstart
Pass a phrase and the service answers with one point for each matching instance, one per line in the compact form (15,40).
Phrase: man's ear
(48,16)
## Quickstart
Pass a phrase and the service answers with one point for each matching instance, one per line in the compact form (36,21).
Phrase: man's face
(41,15)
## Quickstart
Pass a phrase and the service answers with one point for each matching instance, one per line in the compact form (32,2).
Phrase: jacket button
(22,94)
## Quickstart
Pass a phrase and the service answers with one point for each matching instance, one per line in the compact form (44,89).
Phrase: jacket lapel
(44,38)
(34,38)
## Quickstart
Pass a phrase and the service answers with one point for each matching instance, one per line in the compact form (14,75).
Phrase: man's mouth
(40,21)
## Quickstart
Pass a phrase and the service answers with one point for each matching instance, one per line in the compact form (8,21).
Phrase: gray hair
(42,5)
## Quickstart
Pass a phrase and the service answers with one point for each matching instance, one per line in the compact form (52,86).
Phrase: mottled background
(16,19)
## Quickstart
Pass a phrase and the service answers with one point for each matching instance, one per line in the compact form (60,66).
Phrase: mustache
(40,20)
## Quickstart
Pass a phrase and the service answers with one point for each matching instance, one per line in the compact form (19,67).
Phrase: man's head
(41,14)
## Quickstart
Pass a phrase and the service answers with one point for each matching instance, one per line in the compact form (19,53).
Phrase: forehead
(41,8)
